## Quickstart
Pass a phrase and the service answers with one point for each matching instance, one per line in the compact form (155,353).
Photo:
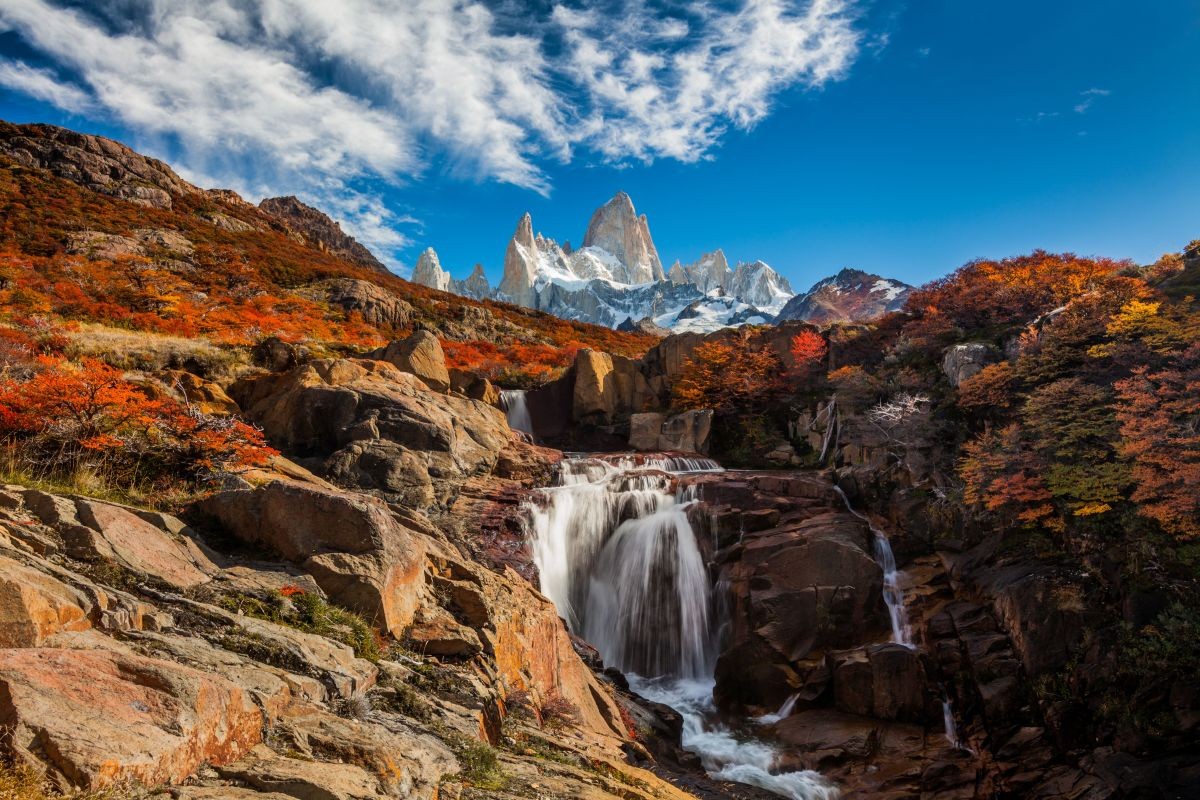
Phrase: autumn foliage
(65,416)
(736,372)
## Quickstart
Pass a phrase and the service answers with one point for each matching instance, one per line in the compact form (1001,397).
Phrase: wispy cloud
(1089,97)
(322,99)
(44,85)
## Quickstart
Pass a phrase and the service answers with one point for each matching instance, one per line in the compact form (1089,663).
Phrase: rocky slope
(319,231)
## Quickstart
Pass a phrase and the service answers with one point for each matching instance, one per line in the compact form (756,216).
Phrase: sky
(903,138)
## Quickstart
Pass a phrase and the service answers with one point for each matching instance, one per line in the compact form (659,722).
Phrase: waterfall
(948,724)
(513,403)
(618,557)
(784,711)
(893,595)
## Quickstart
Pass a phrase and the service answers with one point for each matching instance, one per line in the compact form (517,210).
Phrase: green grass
(310,613)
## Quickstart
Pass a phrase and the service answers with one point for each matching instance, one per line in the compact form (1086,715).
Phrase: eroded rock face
(147,720)
(796,590)
(357,551)
(376,427)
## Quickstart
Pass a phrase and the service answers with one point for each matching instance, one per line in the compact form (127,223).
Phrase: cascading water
(515,408)
(620,560)
(893,595)
(893,598)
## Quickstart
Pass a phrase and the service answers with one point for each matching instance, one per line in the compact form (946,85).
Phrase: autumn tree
(1159,415)
(1005,477)
(71,416)
(808,350)
(731,373)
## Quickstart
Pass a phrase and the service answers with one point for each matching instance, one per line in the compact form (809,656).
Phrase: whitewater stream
(620,560)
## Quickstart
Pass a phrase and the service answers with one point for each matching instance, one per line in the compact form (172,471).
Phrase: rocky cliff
(319,231)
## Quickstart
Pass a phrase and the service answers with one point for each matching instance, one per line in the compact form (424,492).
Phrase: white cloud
(318,98)
(1089,97)
(44,85)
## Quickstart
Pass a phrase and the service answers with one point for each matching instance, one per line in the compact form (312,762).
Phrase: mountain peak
(616,229)
(851,295)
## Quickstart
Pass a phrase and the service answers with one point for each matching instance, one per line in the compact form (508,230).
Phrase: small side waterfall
(620,560)
(893,595)
(513,403)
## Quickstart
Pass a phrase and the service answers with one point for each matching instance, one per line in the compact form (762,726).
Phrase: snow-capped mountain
(849,296)
(617,279)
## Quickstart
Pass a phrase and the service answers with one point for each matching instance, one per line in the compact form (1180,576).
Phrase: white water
(784,711)
(618,557)
(893,595)
(513,403)
(893,598)
(948,723)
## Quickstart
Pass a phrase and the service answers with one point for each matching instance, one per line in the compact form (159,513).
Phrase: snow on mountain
(617,276)
(849,296)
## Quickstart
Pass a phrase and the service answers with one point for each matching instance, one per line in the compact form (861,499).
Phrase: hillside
(93,232)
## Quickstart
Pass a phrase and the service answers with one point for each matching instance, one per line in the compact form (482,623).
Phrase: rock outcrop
(366,424)
(100,164)
(359,553)
(653,431)
(377,305)
(962,361)
(420,354)
(319,231)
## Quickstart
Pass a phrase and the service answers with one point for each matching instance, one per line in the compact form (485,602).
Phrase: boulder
(357,551)
(885,681)
(687,432)
(205,396)
(962,361)
(376,305)
(474,387)
(99,718)
(376,427)
(276,355)
(421,355)
(34,606)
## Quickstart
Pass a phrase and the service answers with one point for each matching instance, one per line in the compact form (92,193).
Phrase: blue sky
(901,138)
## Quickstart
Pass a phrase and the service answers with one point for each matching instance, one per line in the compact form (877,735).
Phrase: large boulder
(687,432)
(377,428)
(421,355)
(99,718)
(376,305)
(357,551)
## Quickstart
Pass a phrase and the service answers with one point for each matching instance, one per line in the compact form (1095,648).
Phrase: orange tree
(733,373)
(69,416)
